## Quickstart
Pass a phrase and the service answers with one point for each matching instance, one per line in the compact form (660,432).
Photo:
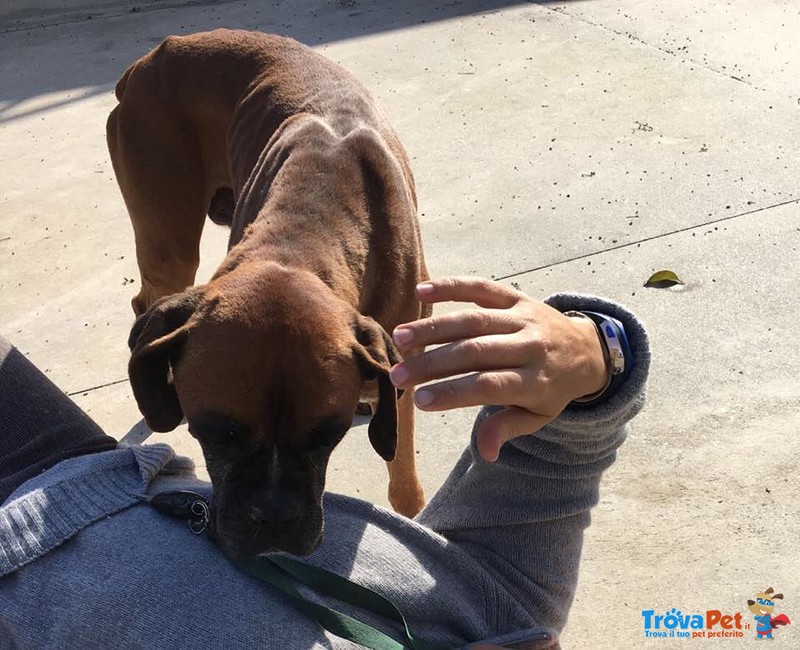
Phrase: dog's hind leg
(161,179)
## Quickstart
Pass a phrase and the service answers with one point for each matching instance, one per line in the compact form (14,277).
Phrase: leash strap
(279,571)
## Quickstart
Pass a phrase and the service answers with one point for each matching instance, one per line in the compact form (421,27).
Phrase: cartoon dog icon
(762,608)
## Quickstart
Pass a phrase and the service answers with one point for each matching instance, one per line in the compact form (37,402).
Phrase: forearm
(522,517)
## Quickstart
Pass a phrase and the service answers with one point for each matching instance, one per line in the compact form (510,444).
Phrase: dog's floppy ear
(154,338)
(376,354)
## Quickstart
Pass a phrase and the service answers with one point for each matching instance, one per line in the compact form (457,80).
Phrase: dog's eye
(224,435)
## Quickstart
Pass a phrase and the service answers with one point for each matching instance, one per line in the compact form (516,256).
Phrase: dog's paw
(406,500)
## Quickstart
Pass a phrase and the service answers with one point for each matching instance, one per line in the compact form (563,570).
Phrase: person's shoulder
(57,504)
(144,461)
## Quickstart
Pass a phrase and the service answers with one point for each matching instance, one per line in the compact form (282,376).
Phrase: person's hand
(514,351)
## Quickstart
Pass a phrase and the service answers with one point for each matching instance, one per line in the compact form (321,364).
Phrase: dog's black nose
(275,511)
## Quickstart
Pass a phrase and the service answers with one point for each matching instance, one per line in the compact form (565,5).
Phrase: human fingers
(454,326)
(476,354)
(498,428)
(482,292)
(501,387)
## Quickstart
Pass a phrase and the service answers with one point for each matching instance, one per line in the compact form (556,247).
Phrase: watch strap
(617,352)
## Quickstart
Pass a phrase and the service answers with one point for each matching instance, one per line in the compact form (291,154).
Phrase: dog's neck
(341,197)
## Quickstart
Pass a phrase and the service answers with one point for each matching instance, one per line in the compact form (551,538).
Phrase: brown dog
(267,361)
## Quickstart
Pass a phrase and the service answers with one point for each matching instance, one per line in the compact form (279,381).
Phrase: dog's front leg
(405,490)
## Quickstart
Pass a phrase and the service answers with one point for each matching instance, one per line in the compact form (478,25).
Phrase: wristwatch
(617,352)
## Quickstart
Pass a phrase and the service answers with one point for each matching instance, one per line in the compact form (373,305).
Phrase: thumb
(504,425)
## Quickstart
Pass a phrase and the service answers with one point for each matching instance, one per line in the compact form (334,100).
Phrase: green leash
(279,571)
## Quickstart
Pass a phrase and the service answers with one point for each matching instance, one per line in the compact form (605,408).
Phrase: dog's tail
(123,81)
(143,64)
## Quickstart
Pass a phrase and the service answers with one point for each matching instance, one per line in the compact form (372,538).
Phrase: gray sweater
(84,564)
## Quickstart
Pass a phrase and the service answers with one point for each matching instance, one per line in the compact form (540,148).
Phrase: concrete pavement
(557,146)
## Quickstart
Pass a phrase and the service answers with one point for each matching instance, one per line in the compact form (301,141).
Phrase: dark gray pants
(39,425)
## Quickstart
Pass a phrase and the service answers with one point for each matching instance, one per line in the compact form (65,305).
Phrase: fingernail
(423,397)
(424,288)
(402,336)
(398,375)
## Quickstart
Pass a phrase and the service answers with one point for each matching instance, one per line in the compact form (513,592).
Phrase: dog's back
(195,117)
(250,84)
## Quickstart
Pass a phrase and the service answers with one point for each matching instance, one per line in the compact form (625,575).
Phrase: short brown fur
(260,132)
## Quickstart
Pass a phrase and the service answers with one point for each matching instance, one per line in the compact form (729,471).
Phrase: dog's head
(267,367)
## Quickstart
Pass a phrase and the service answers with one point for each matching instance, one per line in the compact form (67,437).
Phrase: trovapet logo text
(714,624)
(708,625)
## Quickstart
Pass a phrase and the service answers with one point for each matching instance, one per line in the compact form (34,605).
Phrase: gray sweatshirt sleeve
(522,517)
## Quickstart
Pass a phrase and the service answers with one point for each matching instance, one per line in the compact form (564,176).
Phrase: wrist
(616,351)
(596,372)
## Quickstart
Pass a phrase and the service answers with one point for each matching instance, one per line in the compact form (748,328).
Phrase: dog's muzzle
(267,526)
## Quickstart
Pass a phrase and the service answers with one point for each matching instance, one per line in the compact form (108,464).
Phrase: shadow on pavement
(88,53)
